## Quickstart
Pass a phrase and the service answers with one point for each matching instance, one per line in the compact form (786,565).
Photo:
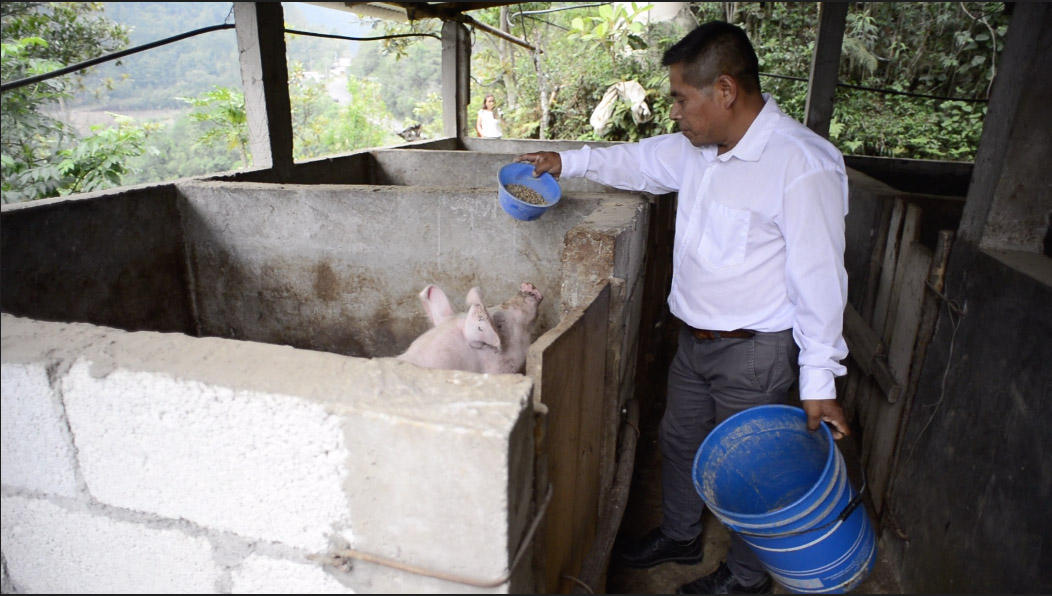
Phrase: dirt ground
(643,510)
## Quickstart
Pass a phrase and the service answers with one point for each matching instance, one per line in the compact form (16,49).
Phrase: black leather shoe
(655,548)
(722,581)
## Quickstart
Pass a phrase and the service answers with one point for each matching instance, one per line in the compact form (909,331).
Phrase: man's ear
(726,89)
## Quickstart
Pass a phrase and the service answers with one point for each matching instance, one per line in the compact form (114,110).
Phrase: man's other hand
(826,410)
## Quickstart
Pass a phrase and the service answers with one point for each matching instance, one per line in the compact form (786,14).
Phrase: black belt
(710,334)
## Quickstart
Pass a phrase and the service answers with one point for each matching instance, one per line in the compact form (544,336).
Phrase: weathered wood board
(900,335)
(573,359)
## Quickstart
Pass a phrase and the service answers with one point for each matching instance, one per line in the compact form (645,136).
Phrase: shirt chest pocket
(726,233)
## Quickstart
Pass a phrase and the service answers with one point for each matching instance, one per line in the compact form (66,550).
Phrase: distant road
(337,89)
(83,119)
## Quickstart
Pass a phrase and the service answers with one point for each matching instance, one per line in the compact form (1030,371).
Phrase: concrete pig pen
(198,394)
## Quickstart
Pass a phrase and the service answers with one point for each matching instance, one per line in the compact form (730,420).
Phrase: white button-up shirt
(759,232)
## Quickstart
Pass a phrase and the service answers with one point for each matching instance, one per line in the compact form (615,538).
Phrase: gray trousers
(708,381)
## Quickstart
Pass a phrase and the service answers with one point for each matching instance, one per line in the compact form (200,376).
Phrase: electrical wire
(884,91)
(108,57)
(149,46)
(522,13)
(334,36)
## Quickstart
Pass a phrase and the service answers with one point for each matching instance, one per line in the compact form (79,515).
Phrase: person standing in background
(489,122)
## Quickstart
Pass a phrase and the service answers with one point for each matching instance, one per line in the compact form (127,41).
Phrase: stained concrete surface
(643,510)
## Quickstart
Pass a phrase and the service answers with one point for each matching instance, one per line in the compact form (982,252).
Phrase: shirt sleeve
(816,280)
(652,165)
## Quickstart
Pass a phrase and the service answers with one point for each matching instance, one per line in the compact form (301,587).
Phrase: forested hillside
(156,78)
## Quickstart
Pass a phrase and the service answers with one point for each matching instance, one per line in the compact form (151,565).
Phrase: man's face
(696,111)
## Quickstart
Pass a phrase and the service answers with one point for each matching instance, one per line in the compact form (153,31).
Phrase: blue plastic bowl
(522,173)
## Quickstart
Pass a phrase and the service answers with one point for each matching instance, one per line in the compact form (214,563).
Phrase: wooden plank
(859,386)
(876,259)
(887,270)
(871,396)
(869,353)
(910,235)
(925,331)
(617,359)
(570,364)
(593,569)
(911,290)
(915,262)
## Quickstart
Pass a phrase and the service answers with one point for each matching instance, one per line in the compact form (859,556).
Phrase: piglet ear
(435,304)
(478,325)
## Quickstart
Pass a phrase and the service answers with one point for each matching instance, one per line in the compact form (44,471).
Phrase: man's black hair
(713,49)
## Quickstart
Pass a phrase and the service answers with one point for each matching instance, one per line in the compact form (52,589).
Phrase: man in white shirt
(758,272)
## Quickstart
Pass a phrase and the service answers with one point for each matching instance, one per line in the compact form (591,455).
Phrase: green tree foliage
(320,126)
(101,160)
(155,79)
(361,123)
(583,51)
(223,111)
(408,67)
(316,54)
(312,111)
(614,28)
(429,114)
(941,49)
(174,154)
(944,49)
(42,156)
(75,31)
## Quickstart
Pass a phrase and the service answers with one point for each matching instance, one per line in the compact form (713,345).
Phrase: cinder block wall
(339,267)
(124,443)
(154,462)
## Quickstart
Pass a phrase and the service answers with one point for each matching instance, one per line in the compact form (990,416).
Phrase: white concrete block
(50,549)
(35,450)
(266,575)
(262,465)
(432,496)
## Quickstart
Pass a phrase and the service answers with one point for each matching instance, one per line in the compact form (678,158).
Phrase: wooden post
(825,63)
(260,30)
(456,69)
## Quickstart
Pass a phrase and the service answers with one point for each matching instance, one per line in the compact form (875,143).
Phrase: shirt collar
(753,142)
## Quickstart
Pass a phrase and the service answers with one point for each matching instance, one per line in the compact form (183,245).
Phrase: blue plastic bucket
(522,173)
(785,492)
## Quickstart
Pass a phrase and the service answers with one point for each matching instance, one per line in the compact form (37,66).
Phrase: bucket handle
(848,510)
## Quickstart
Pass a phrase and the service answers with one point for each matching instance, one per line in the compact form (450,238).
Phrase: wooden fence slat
(915,262)
(869,392)
(572,358)
(887,271)
(869,353)
(926,329)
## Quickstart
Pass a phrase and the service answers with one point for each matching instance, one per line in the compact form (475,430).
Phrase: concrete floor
(643,510)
